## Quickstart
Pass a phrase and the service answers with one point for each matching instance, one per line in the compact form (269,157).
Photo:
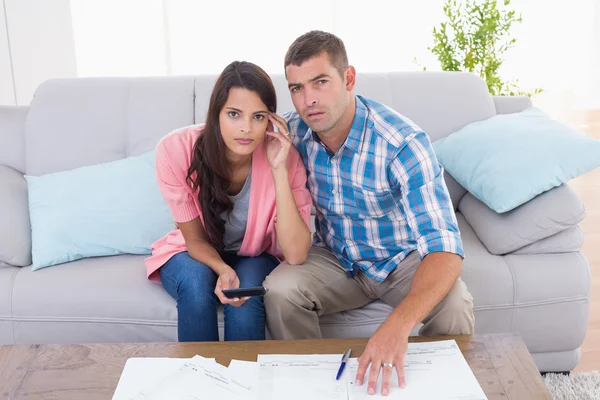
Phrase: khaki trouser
(299,294)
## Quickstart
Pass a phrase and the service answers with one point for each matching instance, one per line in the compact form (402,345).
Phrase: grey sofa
(523,268)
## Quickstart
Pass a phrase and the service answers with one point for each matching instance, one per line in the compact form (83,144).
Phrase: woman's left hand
(278,143)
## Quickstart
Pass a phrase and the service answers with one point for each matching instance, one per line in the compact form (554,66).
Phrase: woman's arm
(172,183)
(293,235)
(200,248)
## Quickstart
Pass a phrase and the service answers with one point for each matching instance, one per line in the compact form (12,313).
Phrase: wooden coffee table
(500,362)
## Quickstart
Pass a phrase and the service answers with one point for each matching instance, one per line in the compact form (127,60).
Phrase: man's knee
(453,315)
(458,305)
(284,286)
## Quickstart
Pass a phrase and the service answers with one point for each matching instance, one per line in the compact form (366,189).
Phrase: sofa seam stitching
(151,322)
(127,114)
(561,300)
(11,291)
(514,299)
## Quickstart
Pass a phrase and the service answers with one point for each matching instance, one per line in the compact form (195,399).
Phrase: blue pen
(344,361)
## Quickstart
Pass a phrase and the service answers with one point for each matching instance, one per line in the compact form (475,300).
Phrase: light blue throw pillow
(508,159)
(100,210)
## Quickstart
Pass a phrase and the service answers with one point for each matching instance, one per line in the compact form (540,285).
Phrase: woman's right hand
(229,280)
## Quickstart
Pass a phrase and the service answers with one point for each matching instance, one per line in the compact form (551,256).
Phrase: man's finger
(363,363)
(386,374)
(373,376)
(399,364)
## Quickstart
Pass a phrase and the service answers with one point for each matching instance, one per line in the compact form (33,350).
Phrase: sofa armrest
(12,136)
(511,104)
(15,227)
(545,215)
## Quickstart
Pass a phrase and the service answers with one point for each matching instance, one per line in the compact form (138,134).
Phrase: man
(385,226)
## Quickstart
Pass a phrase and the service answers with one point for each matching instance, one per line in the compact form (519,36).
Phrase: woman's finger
(270,126)
(279,123)
(221,296)
(285,140)
(279,118)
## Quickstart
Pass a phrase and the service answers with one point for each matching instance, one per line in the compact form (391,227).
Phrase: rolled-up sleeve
(425,199)
(171,178)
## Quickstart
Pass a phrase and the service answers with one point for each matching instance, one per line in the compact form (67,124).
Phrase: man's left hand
(385,351)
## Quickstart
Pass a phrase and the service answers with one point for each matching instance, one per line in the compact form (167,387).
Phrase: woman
(237,191)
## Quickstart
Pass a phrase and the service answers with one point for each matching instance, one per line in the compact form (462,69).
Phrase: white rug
(577,386)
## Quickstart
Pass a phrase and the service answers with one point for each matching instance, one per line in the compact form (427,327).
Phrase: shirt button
(334,191)
(348,242)
(333,161)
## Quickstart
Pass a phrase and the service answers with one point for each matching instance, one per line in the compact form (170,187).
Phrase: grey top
(235,225)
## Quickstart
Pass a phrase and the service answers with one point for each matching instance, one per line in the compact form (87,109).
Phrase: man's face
(320,95)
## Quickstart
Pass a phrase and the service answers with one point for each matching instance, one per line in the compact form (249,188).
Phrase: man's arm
(425,201)
(435,276)
(430,215)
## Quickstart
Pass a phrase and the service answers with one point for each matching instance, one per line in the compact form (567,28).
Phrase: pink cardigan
(173,157)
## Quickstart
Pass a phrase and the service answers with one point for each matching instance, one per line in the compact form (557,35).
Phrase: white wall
(593,100)
(557,48)
(119,37)
(7,90)
(41,42)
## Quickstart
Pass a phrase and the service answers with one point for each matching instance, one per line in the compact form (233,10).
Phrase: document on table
(300,377)
(138,371)
(199,378)
(433,370)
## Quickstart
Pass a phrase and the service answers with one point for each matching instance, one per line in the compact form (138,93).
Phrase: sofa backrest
(85,121)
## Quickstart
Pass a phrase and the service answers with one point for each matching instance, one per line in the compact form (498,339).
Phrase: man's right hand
(229,280)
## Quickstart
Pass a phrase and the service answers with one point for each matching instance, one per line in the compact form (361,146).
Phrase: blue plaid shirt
(381,196)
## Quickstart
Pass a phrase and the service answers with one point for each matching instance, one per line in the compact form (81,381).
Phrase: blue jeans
(192,284)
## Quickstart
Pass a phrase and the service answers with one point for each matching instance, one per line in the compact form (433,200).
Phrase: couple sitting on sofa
(239,193)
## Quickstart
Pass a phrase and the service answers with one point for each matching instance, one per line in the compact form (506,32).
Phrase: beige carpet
(577,386)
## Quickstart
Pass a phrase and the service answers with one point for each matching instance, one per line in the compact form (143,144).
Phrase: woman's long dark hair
(209,168)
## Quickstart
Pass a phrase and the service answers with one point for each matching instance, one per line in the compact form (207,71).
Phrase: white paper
(139,371)
(247,373)
(247,370)
(300,377)
(198,379)
(433,370)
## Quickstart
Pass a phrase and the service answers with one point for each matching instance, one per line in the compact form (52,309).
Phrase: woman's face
(243,121)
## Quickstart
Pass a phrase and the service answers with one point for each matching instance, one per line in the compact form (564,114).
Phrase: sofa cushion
(102,299)
(15,231)
(100,210)
(544,216)
(509,159)
(454,189)
(88,121)
(569,240)
(526,293)
(12,136)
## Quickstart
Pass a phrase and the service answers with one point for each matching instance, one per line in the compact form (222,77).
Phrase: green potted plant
(474,38)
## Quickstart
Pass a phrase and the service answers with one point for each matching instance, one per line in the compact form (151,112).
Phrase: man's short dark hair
(312,44)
